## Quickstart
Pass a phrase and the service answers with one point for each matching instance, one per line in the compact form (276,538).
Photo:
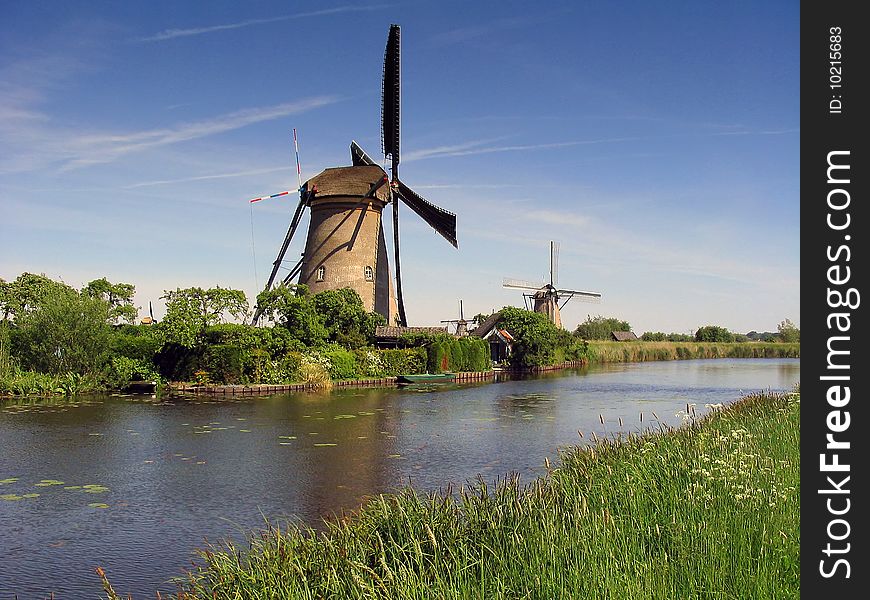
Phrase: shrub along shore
(708,510)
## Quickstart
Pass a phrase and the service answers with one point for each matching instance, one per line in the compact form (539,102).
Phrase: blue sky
(658,143)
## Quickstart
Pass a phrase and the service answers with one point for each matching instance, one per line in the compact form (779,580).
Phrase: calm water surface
(178,471)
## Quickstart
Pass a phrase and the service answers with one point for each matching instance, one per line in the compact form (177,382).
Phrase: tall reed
(604,351)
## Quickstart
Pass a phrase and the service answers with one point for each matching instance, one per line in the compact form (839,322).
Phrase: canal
(136,484)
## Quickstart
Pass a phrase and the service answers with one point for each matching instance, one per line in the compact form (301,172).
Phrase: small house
(500,340)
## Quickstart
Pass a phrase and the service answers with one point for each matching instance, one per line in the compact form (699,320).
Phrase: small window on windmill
(321,273)
(370,273)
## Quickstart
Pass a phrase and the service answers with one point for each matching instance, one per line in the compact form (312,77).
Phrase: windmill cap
(349,181)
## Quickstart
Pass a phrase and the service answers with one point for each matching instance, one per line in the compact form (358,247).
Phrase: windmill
(461,323)
(545,297)
(346,246)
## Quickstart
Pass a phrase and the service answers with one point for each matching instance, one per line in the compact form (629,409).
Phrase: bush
(600,328)
(713,333)
(536,338)
(369,363)
(342,364)
(403,361)
(224,363)
(123,370)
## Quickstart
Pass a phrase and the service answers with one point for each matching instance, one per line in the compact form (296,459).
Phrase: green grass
(709,510)
(605,351)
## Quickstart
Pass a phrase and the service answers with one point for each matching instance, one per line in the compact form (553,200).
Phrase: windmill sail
(392,96)
(444,222)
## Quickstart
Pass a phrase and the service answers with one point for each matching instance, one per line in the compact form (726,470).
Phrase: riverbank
(710,509)
(641,351)
(599,352)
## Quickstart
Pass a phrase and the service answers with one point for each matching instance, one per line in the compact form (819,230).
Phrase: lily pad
(287,437)
(98,505)
(8,480)
(73,487)
(323,445)
(11,497)
(344,417)
(31,495)
(49,482)
(245,430)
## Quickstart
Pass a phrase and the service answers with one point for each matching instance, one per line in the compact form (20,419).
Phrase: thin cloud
(169,34)
(204,177)
(469,149)
(98,149)
(759,132)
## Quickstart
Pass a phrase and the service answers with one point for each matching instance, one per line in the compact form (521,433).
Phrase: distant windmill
(546,296)
(461,323)
(345,245)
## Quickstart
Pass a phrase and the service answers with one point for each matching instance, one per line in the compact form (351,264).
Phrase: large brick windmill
(346,246)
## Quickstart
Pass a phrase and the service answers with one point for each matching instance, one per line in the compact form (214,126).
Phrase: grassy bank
(707,511)
(603,351)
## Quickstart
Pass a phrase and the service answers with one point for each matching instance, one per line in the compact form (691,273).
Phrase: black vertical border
(824,131)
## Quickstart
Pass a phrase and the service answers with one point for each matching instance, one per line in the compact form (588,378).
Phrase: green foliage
(140,342)
(342,364)
(535,337)
(190,311)
(667,337)
(330,316)
(65,332)
(224,363)
(28,293)
(600,328)
(6,361)
(447,353)
(345,318)
(401,361)
(291,308)
(789,332)
(415,340)
(369,363)
(119,297)
(123,370)
(713,333)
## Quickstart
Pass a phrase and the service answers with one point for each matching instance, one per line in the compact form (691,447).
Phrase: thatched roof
(349,181)
(623,336)
(485,328)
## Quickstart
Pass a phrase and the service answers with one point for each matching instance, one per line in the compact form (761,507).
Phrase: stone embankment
(264,389)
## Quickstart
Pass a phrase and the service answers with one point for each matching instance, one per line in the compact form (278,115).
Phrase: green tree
(713,333)
(535,337)
(291,307)
(789,332)
(27,293)
(600,328)
(119,297)
(190,311)
(65,332)
(346,320)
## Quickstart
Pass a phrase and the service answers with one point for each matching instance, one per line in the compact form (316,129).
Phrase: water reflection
(174,472)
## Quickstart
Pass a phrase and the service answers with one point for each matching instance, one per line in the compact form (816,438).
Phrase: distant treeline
(57,339)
